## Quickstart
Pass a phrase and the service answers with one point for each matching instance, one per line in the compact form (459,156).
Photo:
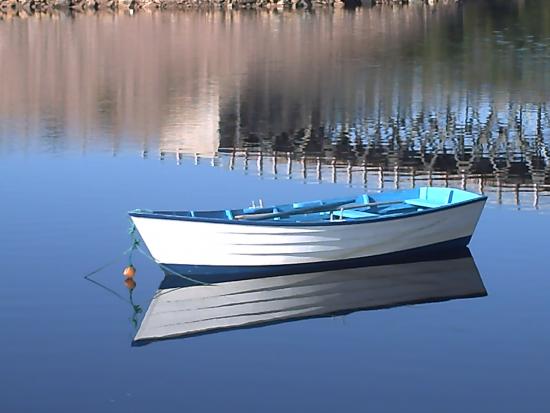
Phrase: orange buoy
(130,283)
(129,271)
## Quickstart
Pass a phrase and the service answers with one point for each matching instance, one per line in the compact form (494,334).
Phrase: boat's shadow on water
(181,308)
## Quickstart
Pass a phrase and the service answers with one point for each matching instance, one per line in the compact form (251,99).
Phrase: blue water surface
(66,342)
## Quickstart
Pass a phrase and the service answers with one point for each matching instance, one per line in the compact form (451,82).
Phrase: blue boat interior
(362,207)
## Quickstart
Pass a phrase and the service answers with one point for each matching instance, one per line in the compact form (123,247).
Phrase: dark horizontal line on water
(108,7)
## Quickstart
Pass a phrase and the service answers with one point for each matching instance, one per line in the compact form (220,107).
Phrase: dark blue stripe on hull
(215,273)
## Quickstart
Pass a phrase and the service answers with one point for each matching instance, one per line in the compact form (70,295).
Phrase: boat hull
(191,247)
(426,252)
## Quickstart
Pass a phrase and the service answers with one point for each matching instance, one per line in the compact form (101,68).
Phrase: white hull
(187,242)
(200,309)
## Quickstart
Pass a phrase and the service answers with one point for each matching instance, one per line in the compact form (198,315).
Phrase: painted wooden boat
(181,309)
(309,236)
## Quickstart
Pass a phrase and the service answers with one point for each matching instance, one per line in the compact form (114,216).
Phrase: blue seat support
(351,213)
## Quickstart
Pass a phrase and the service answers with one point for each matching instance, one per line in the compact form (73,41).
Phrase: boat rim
(367,220)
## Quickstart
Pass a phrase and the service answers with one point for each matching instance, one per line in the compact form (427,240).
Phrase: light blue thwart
(309,236)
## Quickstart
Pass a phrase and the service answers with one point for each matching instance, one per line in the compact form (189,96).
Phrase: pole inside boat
(343,205)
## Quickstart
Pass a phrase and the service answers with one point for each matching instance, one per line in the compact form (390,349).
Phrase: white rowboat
(310,236)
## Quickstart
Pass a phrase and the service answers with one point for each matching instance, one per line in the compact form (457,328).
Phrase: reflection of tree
(472,146)
(458,94)
(457,88)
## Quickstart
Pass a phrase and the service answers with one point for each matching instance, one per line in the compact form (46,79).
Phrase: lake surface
(103,113)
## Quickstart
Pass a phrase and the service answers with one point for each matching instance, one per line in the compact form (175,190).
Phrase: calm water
(104,113)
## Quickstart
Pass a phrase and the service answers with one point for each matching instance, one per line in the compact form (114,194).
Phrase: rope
(135,243)
(136,246)
(101,268)
(165,268)
(110,290)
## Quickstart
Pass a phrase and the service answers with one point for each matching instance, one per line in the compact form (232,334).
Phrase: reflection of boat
(181,309)
(310,236)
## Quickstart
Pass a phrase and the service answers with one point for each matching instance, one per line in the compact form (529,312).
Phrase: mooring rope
(136,246)
(101,268)
(169,270)
(135,307)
